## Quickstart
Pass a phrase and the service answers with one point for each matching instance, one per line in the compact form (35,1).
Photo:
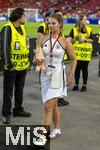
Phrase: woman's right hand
(38,61)
(81,40)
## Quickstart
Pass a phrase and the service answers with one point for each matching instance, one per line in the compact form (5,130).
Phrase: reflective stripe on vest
(19,48)
(83,51)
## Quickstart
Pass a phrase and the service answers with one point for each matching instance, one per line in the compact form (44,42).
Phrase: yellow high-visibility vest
(83,50)
(46,32)
(19,48)
(99,38)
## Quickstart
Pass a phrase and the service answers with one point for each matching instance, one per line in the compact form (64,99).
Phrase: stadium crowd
(68,7)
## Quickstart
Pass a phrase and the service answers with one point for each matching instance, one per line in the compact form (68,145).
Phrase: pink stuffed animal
(40,56)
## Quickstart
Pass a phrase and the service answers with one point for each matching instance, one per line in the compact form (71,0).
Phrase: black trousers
(99,58)
(81,65)
(13,82)
(99,63)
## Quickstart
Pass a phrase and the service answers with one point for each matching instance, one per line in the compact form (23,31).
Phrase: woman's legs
(52,112)
(56,117)
(85,75)
(49,107)
(85,71)
(77,75)
(77,72)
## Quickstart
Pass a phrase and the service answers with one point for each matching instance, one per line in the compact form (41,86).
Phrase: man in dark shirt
(15,55)
(43,28)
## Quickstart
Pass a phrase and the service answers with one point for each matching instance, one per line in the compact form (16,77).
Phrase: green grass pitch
(31,28)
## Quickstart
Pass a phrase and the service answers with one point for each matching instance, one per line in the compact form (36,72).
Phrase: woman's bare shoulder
(44,38)
(65,41)
(68,39)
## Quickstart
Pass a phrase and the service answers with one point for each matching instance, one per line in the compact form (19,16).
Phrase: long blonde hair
(78,20)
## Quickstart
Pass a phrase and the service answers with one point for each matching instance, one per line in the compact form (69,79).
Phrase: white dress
(57,57)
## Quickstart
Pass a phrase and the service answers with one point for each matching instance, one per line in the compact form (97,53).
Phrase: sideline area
(80,119)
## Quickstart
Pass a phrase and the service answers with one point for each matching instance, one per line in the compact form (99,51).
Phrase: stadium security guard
(43,29)
(81,36)
(15,53)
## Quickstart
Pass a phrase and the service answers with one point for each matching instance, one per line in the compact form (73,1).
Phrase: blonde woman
(81,36)
(54,81)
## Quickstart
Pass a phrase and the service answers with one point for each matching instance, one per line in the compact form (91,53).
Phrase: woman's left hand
(69,79)
(39,61)
(81,40)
